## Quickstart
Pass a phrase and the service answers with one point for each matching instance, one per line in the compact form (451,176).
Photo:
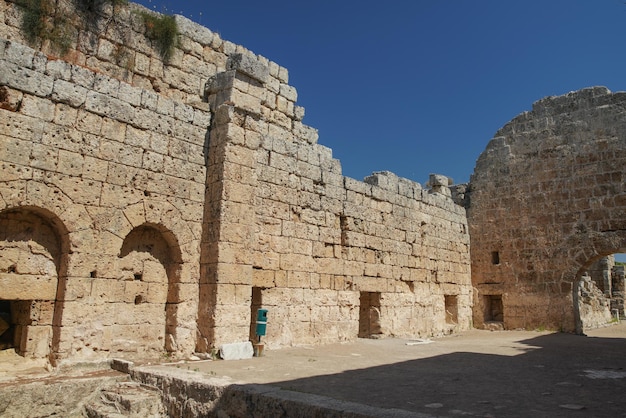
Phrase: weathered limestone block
(36,340)
(248,65)
(28,287)
(236,351)
(10,99)
(24,79)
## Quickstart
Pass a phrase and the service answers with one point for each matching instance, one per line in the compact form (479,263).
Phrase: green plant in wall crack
(163,31)
(33,14)
(40,23)
(44,19)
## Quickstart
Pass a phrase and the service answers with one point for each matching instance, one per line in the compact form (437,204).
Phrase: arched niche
(33,249)
(150,264)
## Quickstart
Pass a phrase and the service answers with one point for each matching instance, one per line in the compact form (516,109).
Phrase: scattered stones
(420,341)
(569,384)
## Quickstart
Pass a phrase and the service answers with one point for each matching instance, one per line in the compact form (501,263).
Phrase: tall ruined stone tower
(548,198)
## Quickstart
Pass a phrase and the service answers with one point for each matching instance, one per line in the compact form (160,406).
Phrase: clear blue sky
(420,86)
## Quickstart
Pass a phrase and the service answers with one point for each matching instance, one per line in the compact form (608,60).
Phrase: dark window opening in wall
(138,276)
(494,310)
(17,315)
(343,224)
(369,315)
(495,258)
(452,309)
(255,305)
(7,327)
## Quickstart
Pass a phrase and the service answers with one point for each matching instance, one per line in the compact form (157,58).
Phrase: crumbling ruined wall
(180,195)
(329,256)
(600,273)
(547,199)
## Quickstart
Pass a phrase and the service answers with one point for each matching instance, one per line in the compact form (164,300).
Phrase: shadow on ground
(555,375)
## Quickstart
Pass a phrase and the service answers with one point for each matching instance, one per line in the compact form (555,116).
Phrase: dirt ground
(478,373)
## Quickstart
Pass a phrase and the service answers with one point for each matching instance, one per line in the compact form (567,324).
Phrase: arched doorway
(32,245)
(599,292)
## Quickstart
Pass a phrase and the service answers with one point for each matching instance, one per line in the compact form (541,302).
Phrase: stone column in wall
(617,297)
(229,217)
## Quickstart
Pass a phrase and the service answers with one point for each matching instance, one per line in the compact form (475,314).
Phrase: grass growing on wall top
(163,31)
(44,20)
(40,23)
(41,20)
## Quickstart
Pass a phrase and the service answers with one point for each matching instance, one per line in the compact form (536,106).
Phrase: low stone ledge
(191,394)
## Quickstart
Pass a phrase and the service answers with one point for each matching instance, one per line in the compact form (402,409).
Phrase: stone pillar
(617,297)
(229,216)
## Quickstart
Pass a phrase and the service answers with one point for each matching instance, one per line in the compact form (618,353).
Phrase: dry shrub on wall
(40,22)
(44,20)
(96,5)
(163,31)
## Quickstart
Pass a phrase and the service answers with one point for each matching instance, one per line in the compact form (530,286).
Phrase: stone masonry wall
(547,199)
(337,238)
(113,161)
(180,196)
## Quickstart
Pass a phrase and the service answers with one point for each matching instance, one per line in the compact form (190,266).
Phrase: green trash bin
(261,322)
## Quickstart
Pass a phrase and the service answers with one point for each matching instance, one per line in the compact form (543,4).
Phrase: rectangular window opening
(495,258)
(452,309)
(369,315)
(494,309)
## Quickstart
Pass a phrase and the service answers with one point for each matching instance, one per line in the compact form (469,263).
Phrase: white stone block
(236,351)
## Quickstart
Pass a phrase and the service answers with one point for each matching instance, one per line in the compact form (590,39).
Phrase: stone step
(127,399)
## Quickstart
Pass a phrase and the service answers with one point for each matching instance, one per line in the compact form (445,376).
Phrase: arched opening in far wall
(599,292)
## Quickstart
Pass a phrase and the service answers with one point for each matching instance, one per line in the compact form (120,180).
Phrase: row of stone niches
(369,312)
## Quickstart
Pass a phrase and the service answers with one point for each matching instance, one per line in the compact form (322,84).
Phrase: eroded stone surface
(546,201)
(178,197)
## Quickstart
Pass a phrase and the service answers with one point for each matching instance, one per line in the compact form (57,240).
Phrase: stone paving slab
(478,373)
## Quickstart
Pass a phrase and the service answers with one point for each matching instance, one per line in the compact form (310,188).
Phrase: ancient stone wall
(151,206)
(346,258)
(600,273)
(115,173)
(547,199)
